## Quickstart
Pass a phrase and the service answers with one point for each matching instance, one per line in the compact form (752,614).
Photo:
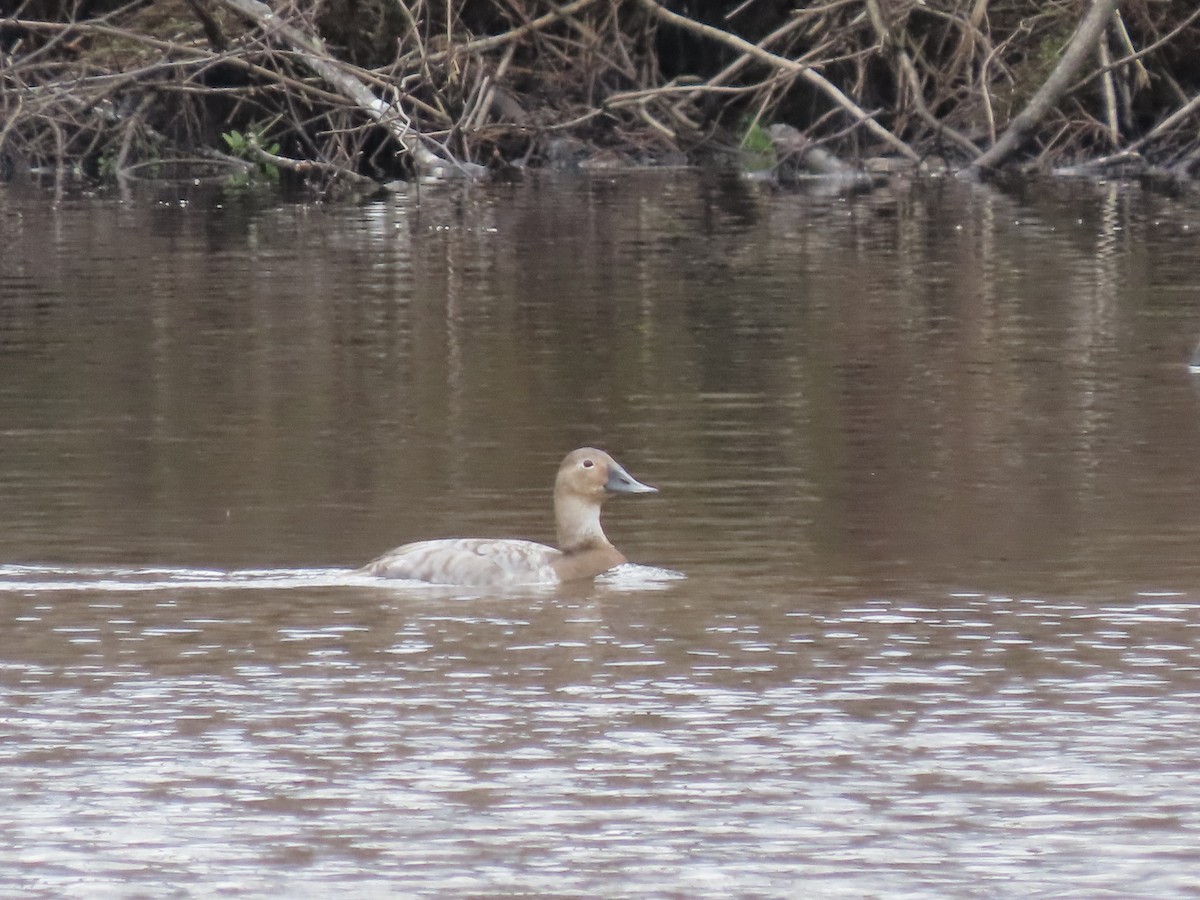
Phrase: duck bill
(621,482)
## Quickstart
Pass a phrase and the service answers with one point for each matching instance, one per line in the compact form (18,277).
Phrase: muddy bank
(352,93)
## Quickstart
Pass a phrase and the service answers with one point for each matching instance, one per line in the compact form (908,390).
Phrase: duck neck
(578,523)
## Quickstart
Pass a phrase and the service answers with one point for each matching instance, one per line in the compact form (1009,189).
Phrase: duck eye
(587,463)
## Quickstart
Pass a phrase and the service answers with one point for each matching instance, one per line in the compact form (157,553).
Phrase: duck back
(470,561)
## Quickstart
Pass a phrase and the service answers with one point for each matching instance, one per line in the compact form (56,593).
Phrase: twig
(643,95)
(308,166)
(489,92)
(130,127)
(490,43)
(744,59)
(657,125)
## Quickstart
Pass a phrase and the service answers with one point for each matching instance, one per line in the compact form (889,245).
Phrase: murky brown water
(930,461)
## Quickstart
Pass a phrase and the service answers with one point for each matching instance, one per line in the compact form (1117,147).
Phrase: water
(928,462)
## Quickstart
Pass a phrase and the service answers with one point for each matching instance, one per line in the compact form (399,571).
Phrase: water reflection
(927,458)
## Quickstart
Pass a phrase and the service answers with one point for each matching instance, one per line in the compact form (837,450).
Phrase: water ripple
(531,744)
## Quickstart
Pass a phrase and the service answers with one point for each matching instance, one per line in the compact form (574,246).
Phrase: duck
(586,478)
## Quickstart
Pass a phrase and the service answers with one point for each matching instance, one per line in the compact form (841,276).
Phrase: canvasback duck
(586,478)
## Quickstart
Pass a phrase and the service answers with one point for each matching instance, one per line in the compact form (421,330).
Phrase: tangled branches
(389,88)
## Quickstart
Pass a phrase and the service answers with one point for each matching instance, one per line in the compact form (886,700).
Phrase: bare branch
(1081,46)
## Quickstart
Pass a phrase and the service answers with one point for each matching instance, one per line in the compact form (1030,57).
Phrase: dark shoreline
(372,92)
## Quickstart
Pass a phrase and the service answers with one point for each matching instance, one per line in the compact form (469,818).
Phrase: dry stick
(435,113)
(613,25)
(131,125)
(1080,47)
(1150,48)
(10,121)
(586,116)
(781,62)
(1109,92)
(423,57)
(489,93)
(967,39)
(60,154)
(643,95)
(1136,58)
(657,125)
(1143,76)
(986,95)
(742,61)
(389,116)
(1165,125)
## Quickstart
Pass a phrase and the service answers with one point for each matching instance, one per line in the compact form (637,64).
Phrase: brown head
(586,478)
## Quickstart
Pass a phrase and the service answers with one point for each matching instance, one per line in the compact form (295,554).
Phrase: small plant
(106,167)
(758,150)
(244,146)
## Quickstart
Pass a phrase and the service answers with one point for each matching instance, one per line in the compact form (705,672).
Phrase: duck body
(586,478)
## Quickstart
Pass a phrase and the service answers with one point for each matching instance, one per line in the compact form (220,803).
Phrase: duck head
(586,478)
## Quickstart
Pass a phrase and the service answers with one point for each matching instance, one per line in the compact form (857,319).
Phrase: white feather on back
(470,561)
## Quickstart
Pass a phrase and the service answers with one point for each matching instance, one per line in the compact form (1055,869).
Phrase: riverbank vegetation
(365,91)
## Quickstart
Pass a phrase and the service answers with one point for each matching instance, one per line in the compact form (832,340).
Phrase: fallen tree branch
(1108,87)
(1082,44)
